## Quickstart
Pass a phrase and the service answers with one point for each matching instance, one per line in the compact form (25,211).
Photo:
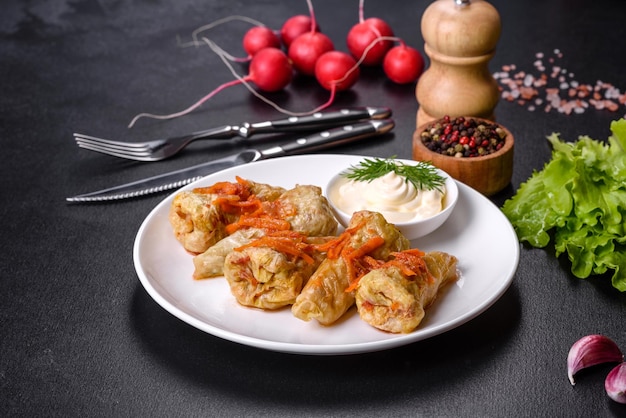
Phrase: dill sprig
(422,175)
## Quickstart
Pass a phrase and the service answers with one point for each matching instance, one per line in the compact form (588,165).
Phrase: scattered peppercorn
(463,137)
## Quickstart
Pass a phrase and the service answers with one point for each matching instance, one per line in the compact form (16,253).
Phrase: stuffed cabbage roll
(199,219)
(262,276)
(326,296)
(302,209)
(312,215)
(197,222)
(394,297)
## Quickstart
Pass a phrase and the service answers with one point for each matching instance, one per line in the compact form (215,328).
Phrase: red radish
(259,37)
(403,64)
(296,26)
(309,46)
(270,70)
(365,33)
(361,39)
(306,49)
(336,71)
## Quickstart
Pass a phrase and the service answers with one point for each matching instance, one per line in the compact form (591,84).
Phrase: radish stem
(365,51)
(186,111)
(312,15)
(361,14)
(218,22)
(196,42)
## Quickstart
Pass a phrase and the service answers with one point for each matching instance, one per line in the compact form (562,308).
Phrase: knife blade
(176,179)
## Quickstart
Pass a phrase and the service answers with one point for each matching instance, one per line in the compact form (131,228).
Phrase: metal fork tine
(134,153)
(115,148)
(116,144)
(139,156)
(112,147)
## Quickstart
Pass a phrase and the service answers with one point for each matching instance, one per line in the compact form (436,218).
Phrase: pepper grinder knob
(460,38)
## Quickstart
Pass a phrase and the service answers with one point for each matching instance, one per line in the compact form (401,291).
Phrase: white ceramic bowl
(412,229)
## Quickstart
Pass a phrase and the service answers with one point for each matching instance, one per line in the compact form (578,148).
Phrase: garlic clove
(615,383)
(589,351)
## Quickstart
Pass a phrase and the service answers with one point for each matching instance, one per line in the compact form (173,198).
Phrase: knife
(314,122)
(175,179)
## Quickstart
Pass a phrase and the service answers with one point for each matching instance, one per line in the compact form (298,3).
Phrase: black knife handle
(332,137)
(319,120)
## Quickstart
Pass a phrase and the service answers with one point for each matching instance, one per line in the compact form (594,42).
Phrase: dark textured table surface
(80,335)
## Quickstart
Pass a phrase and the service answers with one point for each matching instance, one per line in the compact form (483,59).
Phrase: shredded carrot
(233,204)
(289,247)
(369,246)
(371,262)
(243,181)
(334,247)
(236,198)
(337,248)
(277,209)
(270,216)
(410,263)
(353,256)
(356,270)
(359,263)
(241,188)
(291,244)
(402,266)
(268,224)
(410,252)
(220,188)
(288,234)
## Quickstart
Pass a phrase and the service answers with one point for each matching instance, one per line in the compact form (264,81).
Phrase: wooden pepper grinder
(460,38)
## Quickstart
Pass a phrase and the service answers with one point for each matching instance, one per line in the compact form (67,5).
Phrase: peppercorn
(463,137)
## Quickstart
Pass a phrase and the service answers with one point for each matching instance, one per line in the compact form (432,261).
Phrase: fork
(161,149)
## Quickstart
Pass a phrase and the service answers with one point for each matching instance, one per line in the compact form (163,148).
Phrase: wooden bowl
(488,174)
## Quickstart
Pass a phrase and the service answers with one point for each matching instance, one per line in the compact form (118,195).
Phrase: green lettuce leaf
(578,201)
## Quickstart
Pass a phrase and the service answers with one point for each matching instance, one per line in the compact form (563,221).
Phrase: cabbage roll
(312,214)
(326,297)
(393,298)
(199,221)
(269,278)
(303,209)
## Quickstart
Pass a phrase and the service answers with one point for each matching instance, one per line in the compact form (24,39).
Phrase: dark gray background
(80,336)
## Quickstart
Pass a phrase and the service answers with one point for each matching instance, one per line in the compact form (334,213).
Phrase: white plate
(477,233)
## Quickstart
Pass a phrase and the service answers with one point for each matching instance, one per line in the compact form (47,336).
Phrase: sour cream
(395,198)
